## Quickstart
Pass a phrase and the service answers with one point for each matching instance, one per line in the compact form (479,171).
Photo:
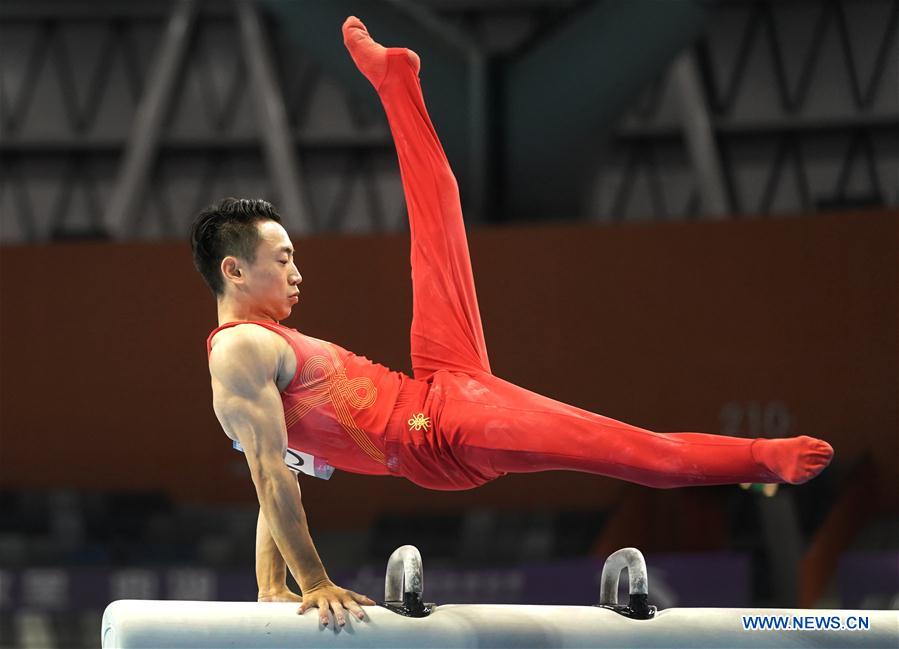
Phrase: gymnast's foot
(795,459)
(369,56)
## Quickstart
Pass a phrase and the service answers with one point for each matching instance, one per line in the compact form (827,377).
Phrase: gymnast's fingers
(321,603)
(350,604)
(362,599)
(323,611)
(339,613)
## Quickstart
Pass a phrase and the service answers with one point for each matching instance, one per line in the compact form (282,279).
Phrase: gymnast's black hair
(228,227)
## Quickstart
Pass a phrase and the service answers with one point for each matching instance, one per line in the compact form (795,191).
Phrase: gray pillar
(140,152)
(699,138)
(277,140)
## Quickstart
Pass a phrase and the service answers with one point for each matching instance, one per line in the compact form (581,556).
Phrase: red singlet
(339,405)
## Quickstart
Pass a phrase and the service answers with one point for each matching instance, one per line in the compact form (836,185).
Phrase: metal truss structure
(795,107)
(72,85)
(803,100)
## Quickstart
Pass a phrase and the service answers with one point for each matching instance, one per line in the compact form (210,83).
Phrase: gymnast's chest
(310,364)
(287,368)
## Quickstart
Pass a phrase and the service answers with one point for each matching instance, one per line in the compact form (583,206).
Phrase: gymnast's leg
(446,323)
(510,429)
(514,430)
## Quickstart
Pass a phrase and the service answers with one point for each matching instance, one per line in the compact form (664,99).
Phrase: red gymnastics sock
(369,56)
(794,460)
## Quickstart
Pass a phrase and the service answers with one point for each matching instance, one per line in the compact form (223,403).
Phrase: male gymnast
(292,402)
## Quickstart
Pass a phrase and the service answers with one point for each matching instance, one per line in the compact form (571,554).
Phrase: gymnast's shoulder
(243,352)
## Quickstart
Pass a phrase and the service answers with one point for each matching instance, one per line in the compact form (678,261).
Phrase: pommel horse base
(405,620)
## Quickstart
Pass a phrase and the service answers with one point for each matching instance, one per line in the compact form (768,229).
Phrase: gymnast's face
(269,286)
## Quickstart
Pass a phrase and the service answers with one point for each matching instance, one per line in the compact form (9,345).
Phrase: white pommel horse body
(405,620)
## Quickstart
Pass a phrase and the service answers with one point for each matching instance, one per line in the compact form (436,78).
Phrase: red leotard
(338,405)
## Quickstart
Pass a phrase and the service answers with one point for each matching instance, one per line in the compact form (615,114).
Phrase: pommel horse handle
(638,606)
(404,583)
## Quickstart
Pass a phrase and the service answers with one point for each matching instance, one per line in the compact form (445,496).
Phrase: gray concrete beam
(277,141)
(143,141)
(699,137)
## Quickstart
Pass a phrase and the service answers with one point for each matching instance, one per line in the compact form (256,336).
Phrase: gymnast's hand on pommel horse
(297,403)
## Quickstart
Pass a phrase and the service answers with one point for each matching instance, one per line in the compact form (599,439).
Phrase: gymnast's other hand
(328,596)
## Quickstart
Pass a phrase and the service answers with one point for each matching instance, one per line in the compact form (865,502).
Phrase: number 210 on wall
(755,419)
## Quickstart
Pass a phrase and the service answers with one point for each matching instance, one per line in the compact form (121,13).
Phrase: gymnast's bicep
(246,400)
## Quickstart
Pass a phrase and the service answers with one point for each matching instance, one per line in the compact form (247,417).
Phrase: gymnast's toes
(370,56)
(353,22)
(814,457)
(794,460)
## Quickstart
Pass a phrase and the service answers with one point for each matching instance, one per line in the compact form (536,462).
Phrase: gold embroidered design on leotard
(419,422)
(325,381)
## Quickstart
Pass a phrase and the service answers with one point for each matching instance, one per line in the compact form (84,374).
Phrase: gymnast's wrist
(278,594)
(265,593)
(271,587)
(319,581)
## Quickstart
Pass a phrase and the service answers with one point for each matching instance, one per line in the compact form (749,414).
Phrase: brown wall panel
(773,326)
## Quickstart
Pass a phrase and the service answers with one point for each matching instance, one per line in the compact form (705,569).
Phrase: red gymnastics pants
(481,427)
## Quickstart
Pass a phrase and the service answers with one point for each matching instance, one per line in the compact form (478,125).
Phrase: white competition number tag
(300,462)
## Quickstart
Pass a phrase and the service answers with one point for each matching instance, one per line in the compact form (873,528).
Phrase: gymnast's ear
(231,269)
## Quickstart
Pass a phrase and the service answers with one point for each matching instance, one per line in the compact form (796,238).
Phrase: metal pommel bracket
(638,606)
(404,583)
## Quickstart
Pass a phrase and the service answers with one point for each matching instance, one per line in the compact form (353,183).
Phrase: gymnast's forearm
(279,500)
(271,571)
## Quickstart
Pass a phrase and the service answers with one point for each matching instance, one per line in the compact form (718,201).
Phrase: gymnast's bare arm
(243,366)
(271,571)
